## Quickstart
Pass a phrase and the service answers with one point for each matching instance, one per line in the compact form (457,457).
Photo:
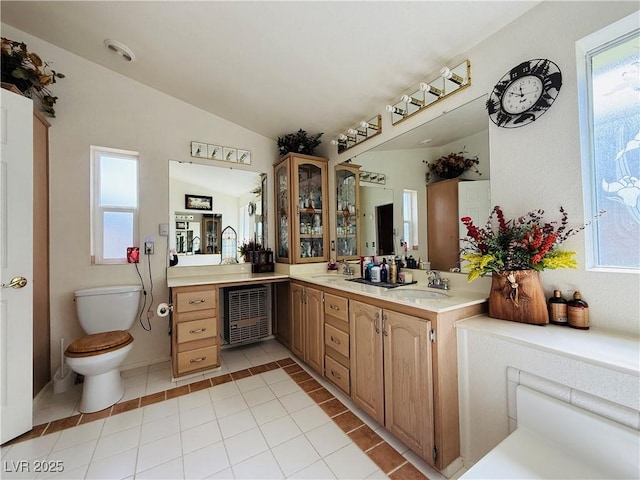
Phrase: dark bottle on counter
(578,312)
(558,309)
(384,271)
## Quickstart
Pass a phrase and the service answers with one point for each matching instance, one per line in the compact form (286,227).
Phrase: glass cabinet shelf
(347,209)
(301,209)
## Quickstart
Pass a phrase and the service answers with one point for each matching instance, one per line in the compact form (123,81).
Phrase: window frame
(98,211)
(410,216)
(586,48)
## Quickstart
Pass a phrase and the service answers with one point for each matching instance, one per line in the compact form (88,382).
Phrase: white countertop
(218,279)
(607,349)
(454,298)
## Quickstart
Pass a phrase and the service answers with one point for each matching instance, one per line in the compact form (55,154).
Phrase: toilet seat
(99,343)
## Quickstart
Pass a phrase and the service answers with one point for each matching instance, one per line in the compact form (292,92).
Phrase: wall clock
(524,93)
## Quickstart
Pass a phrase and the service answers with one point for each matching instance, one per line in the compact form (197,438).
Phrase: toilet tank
(103,309)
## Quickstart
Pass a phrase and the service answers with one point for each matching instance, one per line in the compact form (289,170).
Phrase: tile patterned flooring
(270,418)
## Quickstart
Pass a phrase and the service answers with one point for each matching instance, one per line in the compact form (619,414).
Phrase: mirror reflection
(397,211)
(236,202)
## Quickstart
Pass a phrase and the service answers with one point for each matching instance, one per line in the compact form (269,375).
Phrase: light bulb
(425,87)
(446,72)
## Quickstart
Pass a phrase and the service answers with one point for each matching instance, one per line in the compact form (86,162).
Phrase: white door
(474,200)
(16,262)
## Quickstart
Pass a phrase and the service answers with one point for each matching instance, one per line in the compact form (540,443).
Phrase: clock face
(524,93)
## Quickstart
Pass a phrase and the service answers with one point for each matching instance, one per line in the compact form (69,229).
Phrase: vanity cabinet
(391,373)
(194,321)
(347,211)
(302,232)
(336,341)
(307,329)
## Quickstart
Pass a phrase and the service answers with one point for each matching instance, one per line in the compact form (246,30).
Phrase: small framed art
(214,152)
(198,202)
(198,150)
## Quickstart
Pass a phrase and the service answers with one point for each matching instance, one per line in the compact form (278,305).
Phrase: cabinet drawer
(198,300)
(196,329)
(337,307)
(337,340)
(197,359)
(337,374)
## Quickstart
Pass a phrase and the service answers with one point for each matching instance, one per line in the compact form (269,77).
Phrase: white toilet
(105,314)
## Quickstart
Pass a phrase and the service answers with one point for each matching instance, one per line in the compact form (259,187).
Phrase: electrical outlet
(148,248)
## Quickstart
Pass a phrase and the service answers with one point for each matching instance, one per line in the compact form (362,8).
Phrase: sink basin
(411,293)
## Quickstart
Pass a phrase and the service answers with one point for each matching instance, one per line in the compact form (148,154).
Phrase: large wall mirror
(204,200)
(402,162)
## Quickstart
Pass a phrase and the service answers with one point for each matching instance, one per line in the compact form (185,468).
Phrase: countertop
(452,299)
(226,278)
(461,294)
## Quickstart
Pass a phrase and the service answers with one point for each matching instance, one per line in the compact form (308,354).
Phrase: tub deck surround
(597,347)
(594,370)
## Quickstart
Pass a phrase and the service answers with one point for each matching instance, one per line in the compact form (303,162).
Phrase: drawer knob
(335,340)
(336,375)
(195,302)
(197,330)
(334,307)
(198,360)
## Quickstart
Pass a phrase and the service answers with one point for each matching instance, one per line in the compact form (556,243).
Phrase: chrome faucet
(437,281)
(346,268)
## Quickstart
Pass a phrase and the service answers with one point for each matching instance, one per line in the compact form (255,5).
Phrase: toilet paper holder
(164,309)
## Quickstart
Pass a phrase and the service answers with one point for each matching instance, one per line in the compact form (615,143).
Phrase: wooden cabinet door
(297,320)
(367,377)
(408,381)
(442,224)
(314,346)
(282,313)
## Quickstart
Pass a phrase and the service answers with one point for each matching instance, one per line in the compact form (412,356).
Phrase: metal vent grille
(247,315)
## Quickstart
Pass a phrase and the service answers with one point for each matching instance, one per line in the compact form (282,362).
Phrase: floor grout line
(289,365)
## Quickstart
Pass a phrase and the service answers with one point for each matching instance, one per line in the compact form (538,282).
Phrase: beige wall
(539,165)
(99,107)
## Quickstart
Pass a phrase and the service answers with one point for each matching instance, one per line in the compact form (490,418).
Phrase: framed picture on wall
(244,156)
(198,150)
(198,202)
(214,152)
(229,154)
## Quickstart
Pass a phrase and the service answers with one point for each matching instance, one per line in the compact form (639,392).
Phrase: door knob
(15,282)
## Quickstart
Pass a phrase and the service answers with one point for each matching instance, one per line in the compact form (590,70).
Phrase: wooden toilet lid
(99,343)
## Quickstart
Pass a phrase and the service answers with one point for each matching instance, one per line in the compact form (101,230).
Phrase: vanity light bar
(355,136)
(451,80)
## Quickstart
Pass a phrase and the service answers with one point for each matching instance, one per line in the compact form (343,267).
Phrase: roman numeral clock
(524,93)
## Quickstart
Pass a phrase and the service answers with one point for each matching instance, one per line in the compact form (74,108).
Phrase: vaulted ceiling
(272,67)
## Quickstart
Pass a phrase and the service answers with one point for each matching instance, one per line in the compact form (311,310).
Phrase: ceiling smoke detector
(120,49)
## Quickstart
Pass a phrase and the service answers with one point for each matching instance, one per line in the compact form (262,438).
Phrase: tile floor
(259,416)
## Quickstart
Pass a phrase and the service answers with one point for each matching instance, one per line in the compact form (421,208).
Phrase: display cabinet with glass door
(211,233)
(347,208)
(302,234)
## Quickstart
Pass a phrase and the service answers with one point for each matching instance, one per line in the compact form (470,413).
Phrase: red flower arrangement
(524,243)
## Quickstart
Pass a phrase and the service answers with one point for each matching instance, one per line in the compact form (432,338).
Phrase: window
(609,73)
(114,204)
(410,217)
